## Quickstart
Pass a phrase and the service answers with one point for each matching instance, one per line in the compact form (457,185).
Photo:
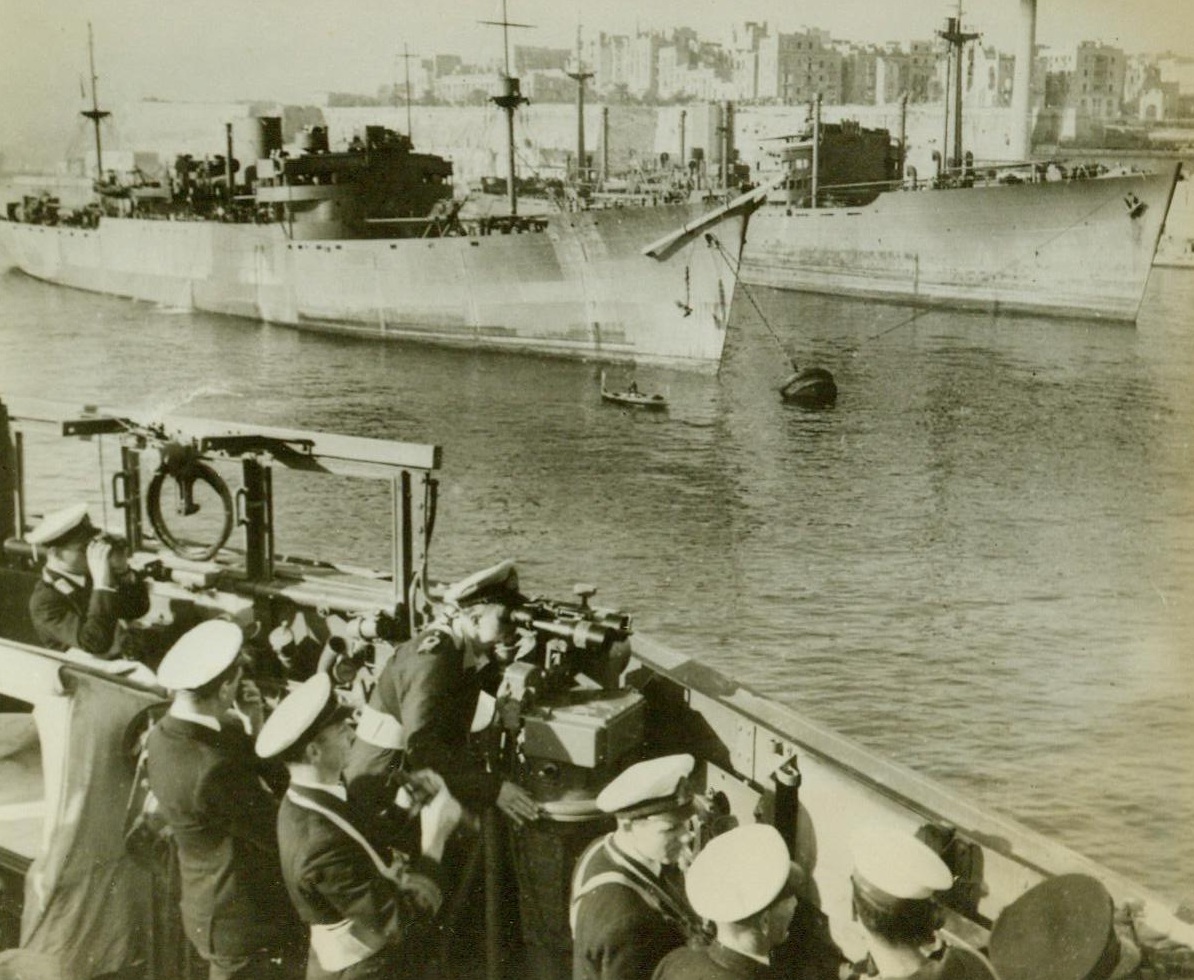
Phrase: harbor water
(979,563)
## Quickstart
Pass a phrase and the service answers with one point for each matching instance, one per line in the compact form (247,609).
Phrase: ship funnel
(1021,119)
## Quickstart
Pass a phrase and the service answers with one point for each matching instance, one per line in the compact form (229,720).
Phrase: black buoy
(811,387)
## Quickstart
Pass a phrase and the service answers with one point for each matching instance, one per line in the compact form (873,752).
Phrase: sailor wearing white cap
(208,784)
(628,906)
(421,711)
(368,912)
(743,882)
(86,586)
(896,881)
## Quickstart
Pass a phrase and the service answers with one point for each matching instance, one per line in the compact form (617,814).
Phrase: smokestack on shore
(1021,121)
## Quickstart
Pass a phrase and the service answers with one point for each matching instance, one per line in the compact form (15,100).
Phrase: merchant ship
(369,242)
(847,217)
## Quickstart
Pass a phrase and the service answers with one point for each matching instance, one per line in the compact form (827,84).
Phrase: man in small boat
(1062,929)
(209,786)
(419,715)
(896,881)
(370,913)
(633,388)
(628,907)
(744,883)
(86,587)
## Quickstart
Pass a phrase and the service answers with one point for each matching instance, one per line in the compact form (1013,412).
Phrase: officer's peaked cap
(61,525)
(739,873)
(498,583)
(200,655)
(654,786)
(1061,929)
(300,716)
(891,866)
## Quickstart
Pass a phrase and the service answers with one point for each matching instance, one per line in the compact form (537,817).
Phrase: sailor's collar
(52,574)
(336,790)
(183,713)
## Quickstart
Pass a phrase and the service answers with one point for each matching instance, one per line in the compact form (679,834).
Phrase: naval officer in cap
(744,883)
(368,912)
(628,907)
(896,881)
(419,715)
(1062,929)
(86,586)
(207,781)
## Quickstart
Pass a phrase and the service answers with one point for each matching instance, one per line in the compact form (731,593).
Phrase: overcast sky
(218,50)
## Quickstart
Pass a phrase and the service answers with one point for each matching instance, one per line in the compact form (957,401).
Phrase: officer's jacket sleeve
(132,598)
(58,622)
(436,711)
(628,949)
(381,912)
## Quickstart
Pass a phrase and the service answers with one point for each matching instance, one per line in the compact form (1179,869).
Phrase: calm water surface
(980,563)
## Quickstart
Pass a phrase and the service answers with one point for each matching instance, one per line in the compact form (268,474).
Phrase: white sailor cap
(655,786)
(300,716)
(891,866)
(200,655)
(57,525)
(739,873)
(496,584)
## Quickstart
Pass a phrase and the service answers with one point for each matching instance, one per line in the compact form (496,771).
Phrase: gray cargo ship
(369,242)
(1072,241)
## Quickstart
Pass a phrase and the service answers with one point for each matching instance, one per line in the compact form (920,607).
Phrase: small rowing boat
(632,397)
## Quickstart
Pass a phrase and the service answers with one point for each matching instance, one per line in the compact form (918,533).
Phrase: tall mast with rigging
(580,76)
(509,100)
(406,56)
(957,40)
(95,113)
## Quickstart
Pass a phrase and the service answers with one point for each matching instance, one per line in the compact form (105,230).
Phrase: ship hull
(580,288)
(1069,248)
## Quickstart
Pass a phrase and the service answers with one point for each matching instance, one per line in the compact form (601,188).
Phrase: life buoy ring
(186,473)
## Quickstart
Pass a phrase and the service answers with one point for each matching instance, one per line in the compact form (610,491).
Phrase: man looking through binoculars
(86,586)
(420,714)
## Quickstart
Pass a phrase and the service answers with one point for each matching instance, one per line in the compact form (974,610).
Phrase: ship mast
(406,56)
(510,99)
(580,76)
(957,40)
(95,113)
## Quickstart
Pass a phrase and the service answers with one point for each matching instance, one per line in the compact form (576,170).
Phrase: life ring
(185,474)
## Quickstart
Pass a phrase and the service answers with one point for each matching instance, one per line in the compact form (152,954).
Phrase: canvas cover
(87,903)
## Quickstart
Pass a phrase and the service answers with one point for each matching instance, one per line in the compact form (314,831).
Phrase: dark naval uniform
(418,717)
(66,614)
(625,919)
(368,917)
(224,820)
(712,962)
